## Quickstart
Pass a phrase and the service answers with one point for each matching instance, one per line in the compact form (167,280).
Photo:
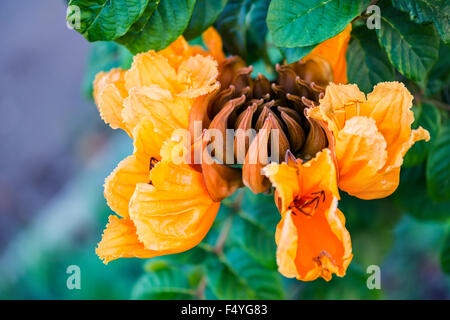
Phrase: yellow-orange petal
(198,74)
(148,140)
(319,174)
(213,42)
(175,213)
(120,240)
(284,178)
(109,93)
(340,102)
(121,183)
(361,154)
(151,68)
(286,238)
(167,112)
(389,104)
(177,52)
(334,50)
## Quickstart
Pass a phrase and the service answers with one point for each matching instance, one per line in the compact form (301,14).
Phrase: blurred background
(56,153)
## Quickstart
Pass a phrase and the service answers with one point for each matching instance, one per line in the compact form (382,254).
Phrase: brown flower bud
(244,104)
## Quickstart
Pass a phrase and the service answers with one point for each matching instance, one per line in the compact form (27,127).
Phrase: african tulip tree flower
(372,135)
(329,135)
(171,210)
(311,236)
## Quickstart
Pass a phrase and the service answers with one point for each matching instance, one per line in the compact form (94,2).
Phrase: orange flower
(164,206)
(371,135)
(311,236)
(334,50)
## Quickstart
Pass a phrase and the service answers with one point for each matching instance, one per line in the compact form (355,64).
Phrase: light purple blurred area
(48,130)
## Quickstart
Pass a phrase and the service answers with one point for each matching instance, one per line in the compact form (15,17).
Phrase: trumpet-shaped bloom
(311,237)
(372,135)
(150,101)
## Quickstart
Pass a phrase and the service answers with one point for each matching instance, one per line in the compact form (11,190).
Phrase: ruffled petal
(119,240)
(151,68)
(175,212)
(167,112)
(361,154)
(389,104)
(109,93)
(340,103)
(121,183)
(198,74)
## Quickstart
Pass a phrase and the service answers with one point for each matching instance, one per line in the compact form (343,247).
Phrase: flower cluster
(330,136)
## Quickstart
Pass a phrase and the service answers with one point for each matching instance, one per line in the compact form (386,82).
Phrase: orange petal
(389,104)
(121,183)
(177,52)
(213,42)
(319,174)
(120,240)
(321,242)
(167,112)
(361,154)
(339,104)
(175,213)
(334,50)
(149,69)
(198,74)
(109,92)
(284,178)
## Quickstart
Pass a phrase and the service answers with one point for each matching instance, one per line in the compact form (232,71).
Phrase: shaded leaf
(421,11)
(368,64)
(438,165)
(105,20)
(204,14)
(412,196)
(164,283)
(429,117)
(294,54)
(238,276)
(412,48)
(439,76)
(243,28)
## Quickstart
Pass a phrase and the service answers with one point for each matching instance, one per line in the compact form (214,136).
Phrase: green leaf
(445,253)
(137,28)
(438,165)
(412,48)
(237,276)
(164,283)
(105,20)
(256,240)
(368,64)
(429,117)
(439,77)
(243,28)
(294,54)
(204,14)
(421,11)
(301,23)
(412,196)
(163,26)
